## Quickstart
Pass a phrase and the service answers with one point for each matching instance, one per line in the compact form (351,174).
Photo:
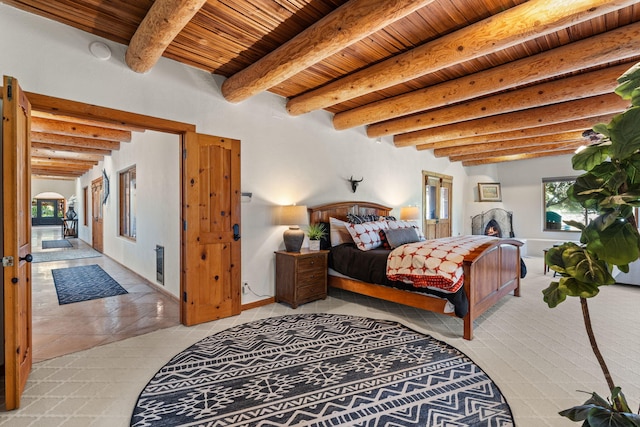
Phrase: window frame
(127,203)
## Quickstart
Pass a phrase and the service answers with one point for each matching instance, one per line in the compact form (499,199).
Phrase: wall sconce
(293,216)
(354,183)
(409,213)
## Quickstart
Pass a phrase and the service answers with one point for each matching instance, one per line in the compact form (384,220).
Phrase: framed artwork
(489,192)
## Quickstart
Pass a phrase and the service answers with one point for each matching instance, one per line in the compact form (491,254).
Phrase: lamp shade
(293,216)
(409,213)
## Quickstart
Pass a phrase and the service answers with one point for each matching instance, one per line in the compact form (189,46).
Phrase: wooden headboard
(341,209)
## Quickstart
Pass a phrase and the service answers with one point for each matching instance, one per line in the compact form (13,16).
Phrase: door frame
(89,111)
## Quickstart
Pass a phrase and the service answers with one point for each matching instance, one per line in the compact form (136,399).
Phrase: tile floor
(63,329)
(539,357)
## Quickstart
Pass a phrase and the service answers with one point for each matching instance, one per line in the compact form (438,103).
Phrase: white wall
(156,158)
(521,183)
(66,188)
(284,159)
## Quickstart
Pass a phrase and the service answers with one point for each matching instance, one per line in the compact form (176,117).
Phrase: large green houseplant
(611,187)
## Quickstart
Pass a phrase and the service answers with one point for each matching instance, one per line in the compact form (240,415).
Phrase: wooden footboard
(490,272)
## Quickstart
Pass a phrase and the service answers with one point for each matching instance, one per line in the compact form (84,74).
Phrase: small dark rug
(50,244)
(75,284)
(321,370)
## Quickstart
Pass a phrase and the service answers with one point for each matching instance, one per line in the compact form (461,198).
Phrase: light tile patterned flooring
(63,329)
(539,357)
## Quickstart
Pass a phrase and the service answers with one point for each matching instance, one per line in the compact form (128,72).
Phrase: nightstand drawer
(312,264)
(312,278)
(308,292)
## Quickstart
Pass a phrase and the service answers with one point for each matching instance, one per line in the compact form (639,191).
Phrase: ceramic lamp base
(293,238)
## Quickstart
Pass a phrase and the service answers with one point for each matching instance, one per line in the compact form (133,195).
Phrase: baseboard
(257,304)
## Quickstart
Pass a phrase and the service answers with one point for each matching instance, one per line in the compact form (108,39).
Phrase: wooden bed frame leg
(468,327)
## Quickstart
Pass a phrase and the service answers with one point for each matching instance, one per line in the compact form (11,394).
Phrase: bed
(490,271)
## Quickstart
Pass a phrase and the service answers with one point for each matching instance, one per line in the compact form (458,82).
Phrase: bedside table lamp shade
(409,213)
(293,216)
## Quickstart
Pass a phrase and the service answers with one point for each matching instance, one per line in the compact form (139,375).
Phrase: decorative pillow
(360,219)
(399,236)
(406,224)
(367,235)
(338,233)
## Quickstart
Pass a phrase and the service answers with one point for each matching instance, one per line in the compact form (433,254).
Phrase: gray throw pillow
(400,236)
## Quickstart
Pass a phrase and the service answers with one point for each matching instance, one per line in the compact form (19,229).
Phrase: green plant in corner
(316,231)
(610,186)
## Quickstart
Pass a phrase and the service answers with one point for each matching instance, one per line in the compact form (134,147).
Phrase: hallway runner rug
(65,254)
(84,283)
(321,370)
(51,244)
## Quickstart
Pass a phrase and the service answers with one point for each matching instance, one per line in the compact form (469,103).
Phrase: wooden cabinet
(301,276)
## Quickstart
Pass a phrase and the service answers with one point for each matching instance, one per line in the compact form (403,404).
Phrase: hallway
(63,329)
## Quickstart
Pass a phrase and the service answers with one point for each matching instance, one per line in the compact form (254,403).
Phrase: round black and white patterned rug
(321,370)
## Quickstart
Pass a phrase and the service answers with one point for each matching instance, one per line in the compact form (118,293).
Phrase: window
(559,208)
(128,203)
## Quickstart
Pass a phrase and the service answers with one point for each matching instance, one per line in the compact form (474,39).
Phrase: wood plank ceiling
(477,81)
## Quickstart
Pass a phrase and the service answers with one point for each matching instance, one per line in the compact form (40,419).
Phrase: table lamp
(294,216)
(409,213)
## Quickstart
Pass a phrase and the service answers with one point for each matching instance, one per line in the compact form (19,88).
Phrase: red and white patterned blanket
(433,263)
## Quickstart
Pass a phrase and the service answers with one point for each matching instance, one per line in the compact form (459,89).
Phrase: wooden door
(436,190)
(211,228)
(16,236)
(97,211)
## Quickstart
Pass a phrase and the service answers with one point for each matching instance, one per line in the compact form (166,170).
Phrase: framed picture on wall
(489,192)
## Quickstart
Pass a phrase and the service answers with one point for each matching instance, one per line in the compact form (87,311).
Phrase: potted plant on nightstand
(610,186)
(316,232)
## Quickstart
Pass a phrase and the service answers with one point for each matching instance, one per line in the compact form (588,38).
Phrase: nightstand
(301,276)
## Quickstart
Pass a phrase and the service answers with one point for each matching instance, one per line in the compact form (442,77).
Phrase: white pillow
(367,235)
(338,233)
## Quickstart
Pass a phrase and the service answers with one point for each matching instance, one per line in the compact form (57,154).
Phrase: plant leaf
(618,244)
(628,82)
(553,295)
(576,288)
(590,157)
(602,129)
(625,133)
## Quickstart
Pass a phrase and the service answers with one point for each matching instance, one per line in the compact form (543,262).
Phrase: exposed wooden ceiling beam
(71,163)
(73,141)
(98,123)
(507,144)
(562,145)
(490,160)
(94,112)
(521,23)
(344,26)
(78,130)
(52,177)
(59,171)
(56,147)
(162,23)
(61,154)
(615,45)
(540,116)
(571,88)
(571,126)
